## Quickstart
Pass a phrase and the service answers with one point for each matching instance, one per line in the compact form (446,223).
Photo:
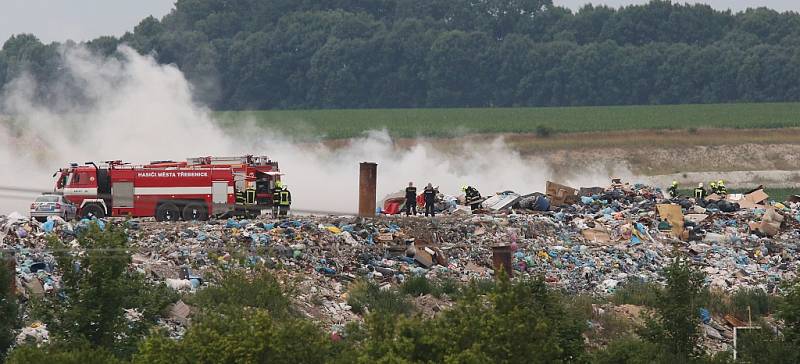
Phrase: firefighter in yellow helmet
(673,189)
(276,198)
(284,201)
(713,187)
(721,189)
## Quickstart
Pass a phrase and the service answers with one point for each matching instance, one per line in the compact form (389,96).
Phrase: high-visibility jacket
(285,198)
(472,195)
(250,196)
(699,193)
(673,191)
(276,196)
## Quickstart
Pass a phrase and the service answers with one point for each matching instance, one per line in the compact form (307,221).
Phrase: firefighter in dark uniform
(411,199)
(472,197)
(285,201)
(700,193)
(430,200)
(276,198)
(673,189)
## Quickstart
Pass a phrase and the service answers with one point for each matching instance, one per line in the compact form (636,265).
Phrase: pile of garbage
(580,240)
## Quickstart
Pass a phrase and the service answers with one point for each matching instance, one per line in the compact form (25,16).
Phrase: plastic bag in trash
(49,226)
(232,224)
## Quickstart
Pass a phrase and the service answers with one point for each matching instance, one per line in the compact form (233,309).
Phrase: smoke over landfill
(134,109)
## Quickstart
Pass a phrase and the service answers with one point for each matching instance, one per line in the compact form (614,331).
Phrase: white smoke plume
(139,110)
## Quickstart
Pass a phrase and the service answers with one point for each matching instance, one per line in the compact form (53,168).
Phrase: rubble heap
(589,241)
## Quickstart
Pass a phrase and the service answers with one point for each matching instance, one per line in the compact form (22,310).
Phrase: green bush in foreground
(98,288)
(240,336)
(367,295)
(674,324)
(519,322)
(8,308)
(637,292)
(62,354)
(258,289)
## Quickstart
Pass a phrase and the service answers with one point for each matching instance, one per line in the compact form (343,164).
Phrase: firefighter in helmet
(713,186)
(473,197)
(673,189)
(276,198)
(284,201)
(721,189)
(700,193)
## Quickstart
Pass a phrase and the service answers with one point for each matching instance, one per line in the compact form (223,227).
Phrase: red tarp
(393,206)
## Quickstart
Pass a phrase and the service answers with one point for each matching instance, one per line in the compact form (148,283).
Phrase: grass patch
(366,296)
(759,302)
(420,286)
(416,286)
(636,292)
(458,121)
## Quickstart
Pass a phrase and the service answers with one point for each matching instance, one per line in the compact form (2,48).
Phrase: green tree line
(291,54)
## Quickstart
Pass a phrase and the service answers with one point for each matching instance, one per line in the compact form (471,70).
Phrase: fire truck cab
(191,190)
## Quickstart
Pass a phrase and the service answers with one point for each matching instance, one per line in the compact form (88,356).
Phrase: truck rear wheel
(167,212)
(195,211)
(93,210)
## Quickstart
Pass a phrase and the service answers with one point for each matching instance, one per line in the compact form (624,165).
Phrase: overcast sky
(780,5)
(59,20)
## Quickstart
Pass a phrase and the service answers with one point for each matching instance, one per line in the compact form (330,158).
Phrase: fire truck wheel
(195,211)
(93,210)
(167,212)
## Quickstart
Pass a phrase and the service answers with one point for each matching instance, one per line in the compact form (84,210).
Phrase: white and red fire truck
(192,190)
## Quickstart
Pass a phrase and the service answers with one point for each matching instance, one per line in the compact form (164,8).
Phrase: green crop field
(454,122)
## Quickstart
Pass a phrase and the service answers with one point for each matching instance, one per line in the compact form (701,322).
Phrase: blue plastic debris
(49,226)
(705,316)
(232,224)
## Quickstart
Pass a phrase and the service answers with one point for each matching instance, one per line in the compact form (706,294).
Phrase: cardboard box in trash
(597,234)
(770,224)
(560,195)
(674,216)
(751,200)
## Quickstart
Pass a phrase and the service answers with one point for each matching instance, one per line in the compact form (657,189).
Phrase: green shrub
(259,289)
(416,286)
(637,292)
(367,295)
(543,131)
(760,303)
(447,286)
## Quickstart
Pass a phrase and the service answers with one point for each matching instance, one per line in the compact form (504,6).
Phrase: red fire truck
(192,190)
